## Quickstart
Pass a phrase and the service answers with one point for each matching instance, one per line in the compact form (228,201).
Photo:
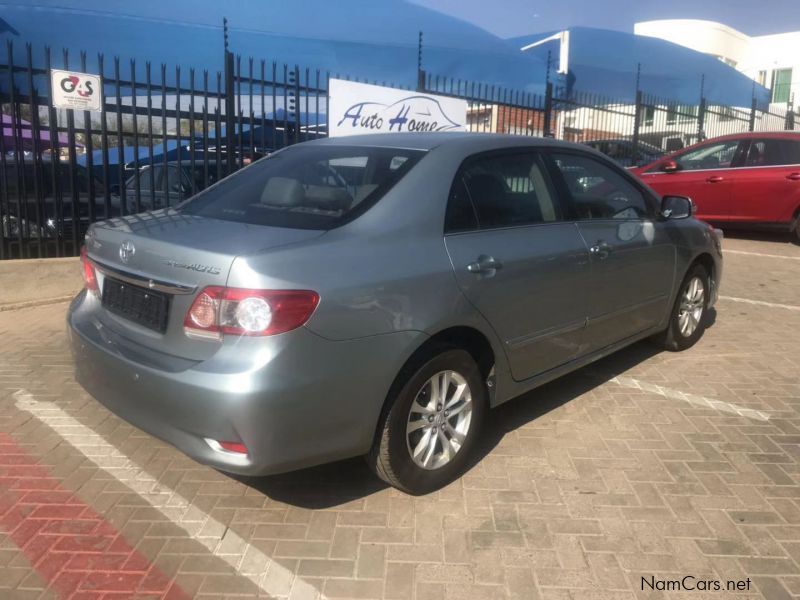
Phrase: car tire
(687,320)
(796,230)
(424,442)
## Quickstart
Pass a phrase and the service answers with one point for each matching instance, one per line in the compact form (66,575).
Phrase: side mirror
(676,207)
(669,166)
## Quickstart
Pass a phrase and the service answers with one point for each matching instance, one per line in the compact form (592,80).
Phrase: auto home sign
(357,108)
(79,91)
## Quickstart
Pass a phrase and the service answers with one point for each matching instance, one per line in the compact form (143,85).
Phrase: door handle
(601,250)
(715,179)
(484,265)
(793,176)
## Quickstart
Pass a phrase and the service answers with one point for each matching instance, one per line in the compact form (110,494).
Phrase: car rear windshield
(306,186)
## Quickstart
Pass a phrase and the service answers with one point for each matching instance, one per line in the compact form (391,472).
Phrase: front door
(517,260)
(632,256)
(705,174)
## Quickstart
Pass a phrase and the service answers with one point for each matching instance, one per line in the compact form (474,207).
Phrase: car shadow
(779,237)
(333,484)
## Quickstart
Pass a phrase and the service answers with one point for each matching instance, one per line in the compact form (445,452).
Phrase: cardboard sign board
(359,108)
(79,91)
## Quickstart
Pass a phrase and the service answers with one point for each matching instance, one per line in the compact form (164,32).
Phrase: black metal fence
(164,134)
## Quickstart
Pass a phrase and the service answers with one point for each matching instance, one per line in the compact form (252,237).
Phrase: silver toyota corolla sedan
(377,295)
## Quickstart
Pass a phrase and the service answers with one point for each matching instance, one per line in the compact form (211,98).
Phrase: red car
(746,179)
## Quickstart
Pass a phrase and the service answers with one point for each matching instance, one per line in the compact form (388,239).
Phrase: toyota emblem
(126,251)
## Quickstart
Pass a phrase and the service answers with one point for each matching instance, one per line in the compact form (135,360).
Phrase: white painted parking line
(760,303)
(246,560)
(701,401)
(746,253)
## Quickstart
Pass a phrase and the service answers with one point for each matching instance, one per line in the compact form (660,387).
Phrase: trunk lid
(174,255)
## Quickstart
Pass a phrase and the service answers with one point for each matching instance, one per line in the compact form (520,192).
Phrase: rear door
(767,187)
(519,262)
(632,256)
(705,174)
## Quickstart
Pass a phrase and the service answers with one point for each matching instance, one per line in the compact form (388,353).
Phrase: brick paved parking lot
(644,466)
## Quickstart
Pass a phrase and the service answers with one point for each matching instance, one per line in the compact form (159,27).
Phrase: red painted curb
(75,550)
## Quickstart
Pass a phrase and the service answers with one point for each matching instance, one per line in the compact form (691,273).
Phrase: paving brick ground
(644,465)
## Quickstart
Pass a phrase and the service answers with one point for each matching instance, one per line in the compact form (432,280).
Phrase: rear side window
(598,190)
(306,186)
(461,215)
(505,190)
(772,152)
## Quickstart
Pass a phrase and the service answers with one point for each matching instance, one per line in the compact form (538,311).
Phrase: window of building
(687,114)
(781,85)
(761,78)
(648,115)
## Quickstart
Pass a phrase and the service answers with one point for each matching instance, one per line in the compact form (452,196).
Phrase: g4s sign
(79,91)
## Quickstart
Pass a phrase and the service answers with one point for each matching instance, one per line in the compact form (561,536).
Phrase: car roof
(429,141)
(748,135)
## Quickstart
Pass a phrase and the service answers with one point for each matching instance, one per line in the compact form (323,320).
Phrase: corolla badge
(126,251)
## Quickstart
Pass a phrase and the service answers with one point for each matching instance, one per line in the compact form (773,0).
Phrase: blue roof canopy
(360,38)
(605,62)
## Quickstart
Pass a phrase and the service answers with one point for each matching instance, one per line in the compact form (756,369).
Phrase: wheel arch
(707,261)
(464,337)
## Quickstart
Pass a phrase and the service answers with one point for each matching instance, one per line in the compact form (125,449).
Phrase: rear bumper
(295,400)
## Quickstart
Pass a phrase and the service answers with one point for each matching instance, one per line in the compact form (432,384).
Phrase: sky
(509,18)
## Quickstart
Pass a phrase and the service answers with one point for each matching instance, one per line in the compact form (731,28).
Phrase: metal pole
(548,109)
(230,102)
(637,116)
(420,70)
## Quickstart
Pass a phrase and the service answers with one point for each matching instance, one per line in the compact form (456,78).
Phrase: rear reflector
(236,311)
(89,274)
(232,447)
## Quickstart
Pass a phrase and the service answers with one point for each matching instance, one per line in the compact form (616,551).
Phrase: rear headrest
(283,191)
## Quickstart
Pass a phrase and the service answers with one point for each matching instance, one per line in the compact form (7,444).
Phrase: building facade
(770,60)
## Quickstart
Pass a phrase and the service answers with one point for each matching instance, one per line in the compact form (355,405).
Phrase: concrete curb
(38,281)
(32,303)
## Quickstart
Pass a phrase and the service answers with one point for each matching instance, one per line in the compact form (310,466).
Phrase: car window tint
(711,156)
(772,152)
(598,191)
(461,214)
(306,186)
(509,190)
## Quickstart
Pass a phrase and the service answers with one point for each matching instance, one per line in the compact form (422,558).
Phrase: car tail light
(89,274)
(236,311)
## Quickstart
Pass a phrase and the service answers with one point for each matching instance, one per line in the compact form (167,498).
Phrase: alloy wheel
(693,302)
(439,420)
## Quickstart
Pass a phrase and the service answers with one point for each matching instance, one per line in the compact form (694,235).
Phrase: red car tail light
(236,311)
(89,274)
